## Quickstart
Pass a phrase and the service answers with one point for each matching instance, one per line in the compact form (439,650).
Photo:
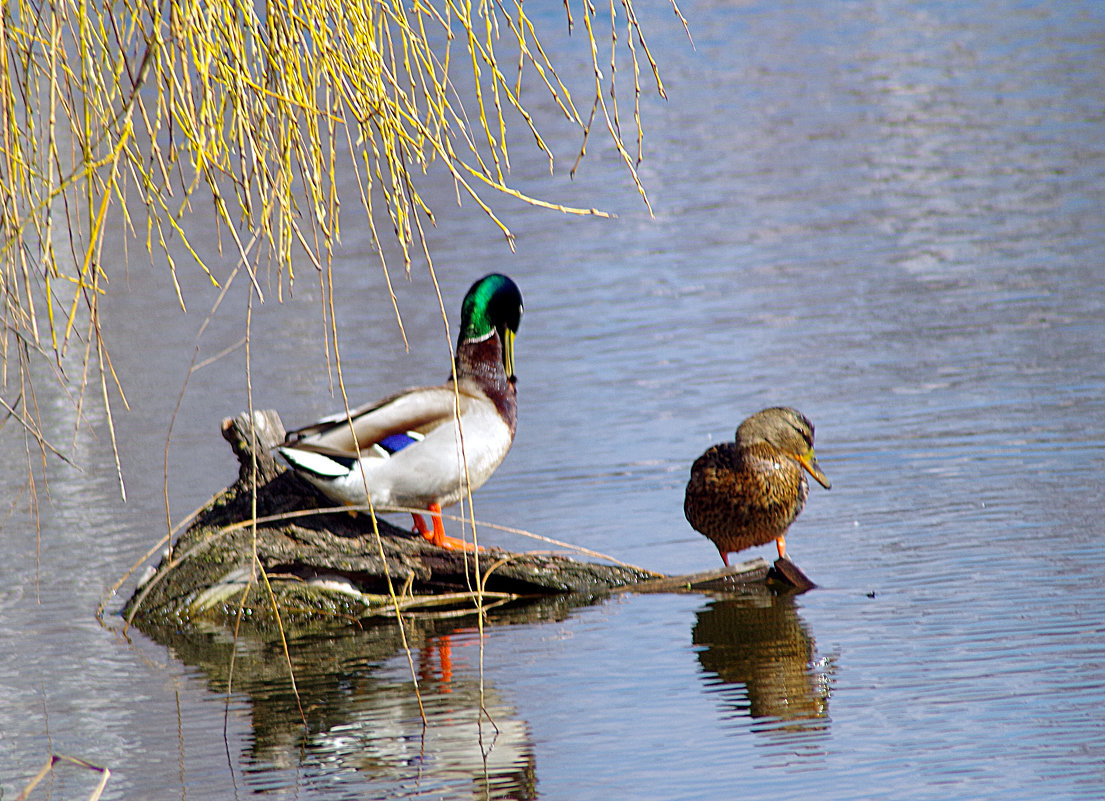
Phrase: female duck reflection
(763,658)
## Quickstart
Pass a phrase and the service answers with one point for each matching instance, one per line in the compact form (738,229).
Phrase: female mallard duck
(748,492)
(409,449)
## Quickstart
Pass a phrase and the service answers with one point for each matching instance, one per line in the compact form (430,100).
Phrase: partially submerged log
(783,574)
(316,563)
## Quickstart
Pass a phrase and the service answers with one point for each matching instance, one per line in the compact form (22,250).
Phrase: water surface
(885,214)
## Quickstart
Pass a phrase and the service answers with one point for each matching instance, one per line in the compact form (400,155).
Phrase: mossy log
(331,563)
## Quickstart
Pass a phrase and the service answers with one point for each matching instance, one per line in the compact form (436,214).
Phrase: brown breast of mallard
(743,497)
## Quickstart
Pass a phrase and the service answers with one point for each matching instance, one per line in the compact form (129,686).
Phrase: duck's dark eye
(805,434)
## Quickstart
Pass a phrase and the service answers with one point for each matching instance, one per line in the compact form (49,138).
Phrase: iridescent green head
(493,304)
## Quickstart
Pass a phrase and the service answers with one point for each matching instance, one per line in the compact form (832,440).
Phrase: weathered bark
(334,564)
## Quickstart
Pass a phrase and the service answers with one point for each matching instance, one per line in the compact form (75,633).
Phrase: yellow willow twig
(54,761)
(170,108)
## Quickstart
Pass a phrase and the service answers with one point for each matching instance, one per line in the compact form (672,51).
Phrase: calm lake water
(889,215)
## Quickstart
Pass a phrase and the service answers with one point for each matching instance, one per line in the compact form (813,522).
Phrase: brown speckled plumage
(748,492)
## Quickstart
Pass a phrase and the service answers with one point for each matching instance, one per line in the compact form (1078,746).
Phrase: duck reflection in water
(759,658)
(378,731)
(357,719)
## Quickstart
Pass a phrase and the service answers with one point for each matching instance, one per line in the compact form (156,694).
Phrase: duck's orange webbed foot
(436,536)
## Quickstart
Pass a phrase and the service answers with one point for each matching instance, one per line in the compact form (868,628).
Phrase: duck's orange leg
(445,656)
(781,546)
(442,649)
(437,535)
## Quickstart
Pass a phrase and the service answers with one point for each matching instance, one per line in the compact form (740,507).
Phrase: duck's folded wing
(419,411)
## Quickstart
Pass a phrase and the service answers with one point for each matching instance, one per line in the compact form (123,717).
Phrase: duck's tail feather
(317,464)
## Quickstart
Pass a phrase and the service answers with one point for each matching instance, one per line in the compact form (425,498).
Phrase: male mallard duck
(408,447)
(748,492)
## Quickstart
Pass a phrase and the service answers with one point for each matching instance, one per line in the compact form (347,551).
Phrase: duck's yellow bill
(508,352)
(809,461)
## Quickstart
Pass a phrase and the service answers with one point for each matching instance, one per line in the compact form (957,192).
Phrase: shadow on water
(363,724)
(759,660)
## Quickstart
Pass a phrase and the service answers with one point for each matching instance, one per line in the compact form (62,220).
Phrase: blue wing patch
(396,442)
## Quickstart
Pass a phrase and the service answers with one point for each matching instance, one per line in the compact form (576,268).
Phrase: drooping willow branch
(143,113)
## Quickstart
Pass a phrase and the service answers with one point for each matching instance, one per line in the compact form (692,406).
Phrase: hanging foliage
(140,114)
